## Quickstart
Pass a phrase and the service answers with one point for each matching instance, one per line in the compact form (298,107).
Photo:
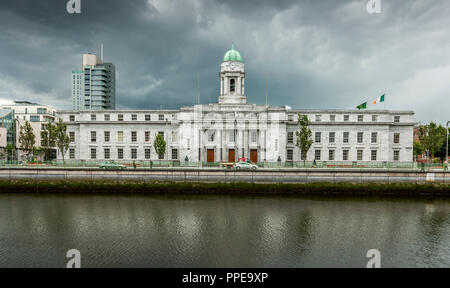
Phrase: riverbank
(262,176)
(139,187)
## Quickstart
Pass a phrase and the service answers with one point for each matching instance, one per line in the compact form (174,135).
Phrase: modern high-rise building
(94,87)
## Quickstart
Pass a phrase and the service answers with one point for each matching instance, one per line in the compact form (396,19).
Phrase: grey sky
(315,54)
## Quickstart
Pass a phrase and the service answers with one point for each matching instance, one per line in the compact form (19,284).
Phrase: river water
(222,231)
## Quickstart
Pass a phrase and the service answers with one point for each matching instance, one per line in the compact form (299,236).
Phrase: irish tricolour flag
(379,100)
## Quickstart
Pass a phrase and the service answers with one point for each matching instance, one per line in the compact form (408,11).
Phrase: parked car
(111,166)
(246,164)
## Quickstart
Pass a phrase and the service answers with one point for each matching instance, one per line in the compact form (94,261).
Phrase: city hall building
(233,128)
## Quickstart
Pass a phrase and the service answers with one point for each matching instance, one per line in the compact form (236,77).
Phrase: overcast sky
(329,54)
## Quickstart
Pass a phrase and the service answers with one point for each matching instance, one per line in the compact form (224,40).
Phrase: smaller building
(21,111)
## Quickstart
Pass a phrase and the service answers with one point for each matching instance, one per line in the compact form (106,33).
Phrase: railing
(413,166)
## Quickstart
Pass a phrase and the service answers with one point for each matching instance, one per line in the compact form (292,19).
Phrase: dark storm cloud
(314,54)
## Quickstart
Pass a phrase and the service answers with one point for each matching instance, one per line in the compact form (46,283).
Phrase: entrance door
(231,155)
(210,156)
(254,155)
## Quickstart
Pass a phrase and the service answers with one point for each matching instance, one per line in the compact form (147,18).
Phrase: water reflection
(221,231)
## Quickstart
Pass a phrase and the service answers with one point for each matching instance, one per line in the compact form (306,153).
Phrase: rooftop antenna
(198,88)
(101,53)
(266,88)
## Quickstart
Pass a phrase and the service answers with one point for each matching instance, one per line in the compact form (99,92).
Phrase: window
(35,118)
(120,136)
(303,155)
(374,118)
(161,117)
(93,136)
(148,117)
(232,85)
(133,136)
(290,155)
(396,155)
(161,157)
(290,138)
(211,135)
(161,133)
(107,136)
(107,153)
(253,137)
(332,137)
(359,155)
(232,136)
(147,153)
(317,155)
(374,137)
(345,137)
(290,117)
(120,117)
(332,118)
(72,136)
(360,137)
(93,117)
(72,153)
(41,110)
(175,136)
(396,138)
(373,155)
(174,154)
(318,118)
(120,153)
(133,153)
(360,118)
(107,117)
(331,155)
(72,118)
(93,153)
(396,119)
(189,144)
(318,137)
(134,117)
(345,155)
(346,118)
(147,136)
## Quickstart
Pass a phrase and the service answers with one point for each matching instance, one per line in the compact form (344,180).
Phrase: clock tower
(232,79)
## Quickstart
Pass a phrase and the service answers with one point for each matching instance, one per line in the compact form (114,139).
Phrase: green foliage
(418,149)
(441,153)
(431,136)
(62,140)
(304,136)
(48,139)
(27,139)
(160,145)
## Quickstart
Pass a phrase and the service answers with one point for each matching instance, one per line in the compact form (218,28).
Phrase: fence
(329,165)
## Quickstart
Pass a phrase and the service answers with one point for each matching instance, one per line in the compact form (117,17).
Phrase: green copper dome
(232,55)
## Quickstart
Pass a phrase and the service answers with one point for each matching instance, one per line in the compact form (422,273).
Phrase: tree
(10,150)
(160,145)
(418,149)
(304,136)
(62,140)
(27,139)
(48,140)
(441,153)
(431,137)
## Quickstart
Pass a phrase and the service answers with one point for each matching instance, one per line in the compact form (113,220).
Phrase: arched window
(232,85)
